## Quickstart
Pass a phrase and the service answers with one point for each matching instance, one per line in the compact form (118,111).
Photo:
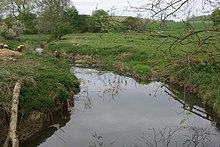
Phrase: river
(117,111)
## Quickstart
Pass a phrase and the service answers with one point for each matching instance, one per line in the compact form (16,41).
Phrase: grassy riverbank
(145,56)
(47,82)
(47,88)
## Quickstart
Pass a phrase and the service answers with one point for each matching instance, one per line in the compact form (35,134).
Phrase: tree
(30,21)
(51,13)
(215,17)
(61,29)
(19,10)
(102,21)
(86,23)
(131,23)
(164,9)
(13,31)
(1,9)
(72,16)
(17,7)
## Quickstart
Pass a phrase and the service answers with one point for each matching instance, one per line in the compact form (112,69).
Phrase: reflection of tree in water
(192,104)
(192,137)
(111,85)
(184,136)
(98,141)
(114,84)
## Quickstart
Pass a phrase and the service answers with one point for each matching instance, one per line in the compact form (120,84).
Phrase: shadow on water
(59,121)
(192,104)
(114,110)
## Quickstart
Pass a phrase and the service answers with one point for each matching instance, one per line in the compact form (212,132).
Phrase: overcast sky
(87,6)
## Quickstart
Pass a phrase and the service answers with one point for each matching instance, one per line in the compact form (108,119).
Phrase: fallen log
(12,137)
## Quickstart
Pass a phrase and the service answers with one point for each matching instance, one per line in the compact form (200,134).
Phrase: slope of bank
(48,87)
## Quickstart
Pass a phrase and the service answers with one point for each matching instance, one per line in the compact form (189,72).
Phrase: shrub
(215,17)
(11,32)
(61,29)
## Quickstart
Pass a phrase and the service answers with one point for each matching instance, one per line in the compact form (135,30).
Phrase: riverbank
(140,55)
(48,88)
(144,56)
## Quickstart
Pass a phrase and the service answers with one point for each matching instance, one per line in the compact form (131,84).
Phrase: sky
(87,6)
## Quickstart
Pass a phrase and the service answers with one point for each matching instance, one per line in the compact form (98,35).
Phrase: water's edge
(190,106)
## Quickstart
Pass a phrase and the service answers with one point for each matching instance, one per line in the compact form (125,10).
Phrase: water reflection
(114,110)
(166,137)
(60,119)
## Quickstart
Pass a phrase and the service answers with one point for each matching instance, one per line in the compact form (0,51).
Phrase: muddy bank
(48,89)
(34,122)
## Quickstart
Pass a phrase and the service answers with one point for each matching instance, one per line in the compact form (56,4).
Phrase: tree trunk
(12,137)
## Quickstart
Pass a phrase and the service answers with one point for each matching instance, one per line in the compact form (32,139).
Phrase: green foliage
(11,29)
(30,22)
(102,21)
(132,23)
(61,29)
(71,15)
(86,23)
(9,21)
(215,17)
(51,15)
(3,30)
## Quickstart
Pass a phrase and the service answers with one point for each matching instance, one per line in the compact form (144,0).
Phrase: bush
(132,23)
(215,17)
(3,30)
(61,29)
(12,32)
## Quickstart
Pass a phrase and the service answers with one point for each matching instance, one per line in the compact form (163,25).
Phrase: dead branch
(12,137)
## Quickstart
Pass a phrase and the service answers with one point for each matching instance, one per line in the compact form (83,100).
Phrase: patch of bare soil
(6,54)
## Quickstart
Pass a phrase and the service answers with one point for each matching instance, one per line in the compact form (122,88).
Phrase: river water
(117,111)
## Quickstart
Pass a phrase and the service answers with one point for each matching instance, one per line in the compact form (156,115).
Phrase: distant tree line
(60,17)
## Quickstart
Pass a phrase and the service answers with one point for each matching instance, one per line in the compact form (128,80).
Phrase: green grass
(33,41)
(30,41)
(177,26)
(47,82)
